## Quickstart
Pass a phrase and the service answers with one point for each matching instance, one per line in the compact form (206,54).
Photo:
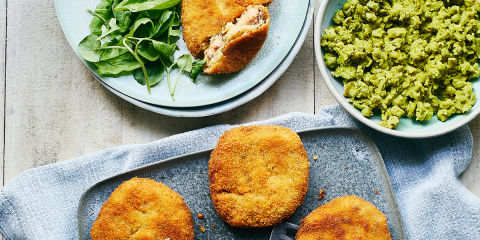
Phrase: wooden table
(54,109)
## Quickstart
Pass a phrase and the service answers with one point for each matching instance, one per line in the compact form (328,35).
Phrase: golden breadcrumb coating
(239,49)
(348,218)
(202,19)
(144,209)
(258,175)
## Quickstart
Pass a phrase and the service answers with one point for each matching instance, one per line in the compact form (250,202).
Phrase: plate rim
(381,164)
(357,114)
(173,104)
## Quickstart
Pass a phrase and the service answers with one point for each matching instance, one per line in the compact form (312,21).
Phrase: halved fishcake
(203,19)
(239,42)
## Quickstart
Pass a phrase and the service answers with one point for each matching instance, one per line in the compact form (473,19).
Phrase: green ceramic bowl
(408,128)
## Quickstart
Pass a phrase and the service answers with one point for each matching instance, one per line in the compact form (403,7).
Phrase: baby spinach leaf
(103,9)
(173,35)
(165,22)
(152,14)
(142,5)
(101,14)
(139,37)
(184,62)
(111,52)
(196,69)
(112,27)
(121,64)
(155,72)
(96,25)
(146,50)
(163,48)
(123,17)
(145,31)
(176,19)
(137,24)
(89,48)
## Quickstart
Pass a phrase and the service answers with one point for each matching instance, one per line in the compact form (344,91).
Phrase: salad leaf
(101,14)
(173,35)
(142,5)
(165,22)
(110,52)
(197,68)
(96,25)
(155,73)
(185,62)
(137,37)
(163,48)
(146,50)
(121,64)
(137,24)
(123,19)
(152,14)
(112,27)
(89,48)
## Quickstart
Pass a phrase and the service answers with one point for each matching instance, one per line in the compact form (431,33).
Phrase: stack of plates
(209,95)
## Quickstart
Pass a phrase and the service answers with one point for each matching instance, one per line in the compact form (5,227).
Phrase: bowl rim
(353,111)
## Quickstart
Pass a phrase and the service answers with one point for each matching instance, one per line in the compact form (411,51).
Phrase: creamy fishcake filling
(253,18)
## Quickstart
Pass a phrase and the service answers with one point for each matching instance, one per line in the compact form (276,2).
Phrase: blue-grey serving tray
(348,164)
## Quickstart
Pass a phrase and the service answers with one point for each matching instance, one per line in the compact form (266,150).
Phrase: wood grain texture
(57,111)
(471,177)
(3,39)
(3,30)
(323,97)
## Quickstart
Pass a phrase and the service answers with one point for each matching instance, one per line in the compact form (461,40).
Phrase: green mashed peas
(411,58)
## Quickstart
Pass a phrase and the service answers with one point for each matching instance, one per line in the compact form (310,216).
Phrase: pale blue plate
(287,18)
(409,128)
(236,101)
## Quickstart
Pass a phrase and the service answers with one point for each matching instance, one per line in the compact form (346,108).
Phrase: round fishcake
(258,175)
(347,217)
(142,208)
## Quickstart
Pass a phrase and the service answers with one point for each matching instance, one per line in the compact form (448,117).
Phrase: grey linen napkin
(41,203)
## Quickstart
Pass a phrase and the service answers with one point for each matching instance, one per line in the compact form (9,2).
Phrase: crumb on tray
(321,194)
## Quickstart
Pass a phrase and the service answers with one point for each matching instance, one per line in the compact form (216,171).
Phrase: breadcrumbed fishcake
(258,175)
(238,43)
(202,19)
(348,218)
(143,208)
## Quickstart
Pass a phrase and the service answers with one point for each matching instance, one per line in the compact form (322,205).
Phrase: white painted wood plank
(57,111)
(471,176)
(55,108)
(3,28)
(323,97)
